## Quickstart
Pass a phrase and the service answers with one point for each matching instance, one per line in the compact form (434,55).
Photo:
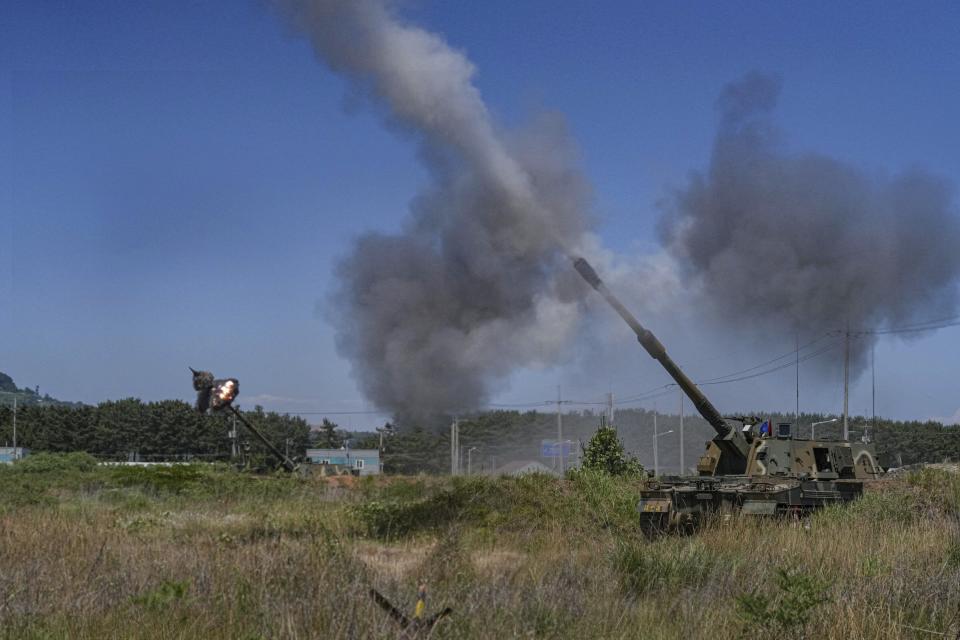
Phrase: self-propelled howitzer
(748,466)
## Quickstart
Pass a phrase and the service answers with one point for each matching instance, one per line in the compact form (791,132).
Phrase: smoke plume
(477,283)
(779,242)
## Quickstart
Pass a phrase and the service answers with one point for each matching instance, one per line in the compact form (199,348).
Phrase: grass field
(206,552)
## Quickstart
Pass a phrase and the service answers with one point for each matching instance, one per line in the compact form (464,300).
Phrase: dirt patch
(344,481)
(497,562)
(395,561)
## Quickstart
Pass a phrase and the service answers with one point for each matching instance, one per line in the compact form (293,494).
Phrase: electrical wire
(664,390)
(791,353)
(809,356)
(335,413)
(737,376)
(922,326)
(734,376)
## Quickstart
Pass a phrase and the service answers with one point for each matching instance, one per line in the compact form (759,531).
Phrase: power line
(334,413)
(522,405)
(734,376)
(737,377)
(789,354)
(809,356)
(912,329)
(667,389)
(655,392)
(927,325)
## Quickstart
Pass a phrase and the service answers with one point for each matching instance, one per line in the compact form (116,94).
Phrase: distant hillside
(26,396)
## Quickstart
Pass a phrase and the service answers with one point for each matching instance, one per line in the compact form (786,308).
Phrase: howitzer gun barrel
(656,350)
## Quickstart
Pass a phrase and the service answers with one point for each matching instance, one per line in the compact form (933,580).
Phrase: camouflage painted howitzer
(743,471)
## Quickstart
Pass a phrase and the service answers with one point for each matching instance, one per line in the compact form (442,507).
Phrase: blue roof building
(9,454)
(365,461)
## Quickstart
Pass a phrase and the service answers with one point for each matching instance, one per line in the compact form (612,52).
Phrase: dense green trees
(171,428)
(128,427)
(328,436)
(503,436)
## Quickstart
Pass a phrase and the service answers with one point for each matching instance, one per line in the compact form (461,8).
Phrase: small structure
(10,454)
(522,468)
(364,462)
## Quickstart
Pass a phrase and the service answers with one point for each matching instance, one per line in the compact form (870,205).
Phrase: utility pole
(796,418)
(559,431)
(15,427)
(683,467)
(846,381)
(656,458)
(470,460)
(610,409)
(656,444)
(454,447)
(234,448)
(456,423)
(873,385)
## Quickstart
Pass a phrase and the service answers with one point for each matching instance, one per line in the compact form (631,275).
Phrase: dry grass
(109,557)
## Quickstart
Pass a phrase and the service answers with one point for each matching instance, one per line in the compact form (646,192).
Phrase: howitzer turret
(747,468)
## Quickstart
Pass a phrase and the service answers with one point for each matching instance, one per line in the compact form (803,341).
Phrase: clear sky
(177,179)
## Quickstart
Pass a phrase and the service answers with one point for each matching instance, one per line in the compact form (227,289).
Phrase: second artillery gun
(743,471)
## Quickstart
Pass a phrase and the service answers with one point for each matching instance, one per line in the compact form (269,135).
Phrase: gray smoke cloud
(779,242)
(477,284)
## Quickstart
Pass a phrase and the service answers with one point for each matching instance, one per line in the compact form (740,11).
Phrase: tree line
(498,437)
(131,428)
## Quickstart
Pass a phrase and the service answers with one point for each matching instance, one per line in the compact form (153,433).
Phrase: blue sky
(177,179)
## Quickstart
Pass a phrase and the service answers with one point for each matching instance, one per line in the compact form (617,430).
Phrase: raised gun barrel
(657,351)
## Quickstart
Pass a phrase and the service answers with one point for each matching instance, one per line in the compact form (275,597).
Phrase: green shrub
(670,564)
(464,501)
(790,608)
(24,494)
(78,461)
(953,554)
(163,479)
(604,452)
(526,504)
(873,566)
(204,480)
(879,506)
(30,481)
(401,490)
(610,501)
(137,523)
(166,594)
(939,487)
(932,480)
